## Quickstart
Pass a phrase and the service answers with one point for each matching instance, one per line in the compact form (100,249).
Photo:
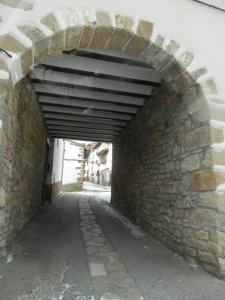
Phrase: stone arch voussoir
(66,29)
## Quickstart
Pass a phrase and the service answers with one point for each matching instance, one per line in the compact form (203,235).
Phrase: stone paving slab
(110,277)
(62,255)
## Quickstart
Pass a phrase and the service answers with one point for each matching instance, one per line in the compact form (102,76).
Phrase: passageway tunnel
(103,83)
(100,90)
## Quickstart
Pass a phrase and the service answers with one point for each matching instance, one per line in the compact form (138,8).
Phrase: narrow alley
(80,248)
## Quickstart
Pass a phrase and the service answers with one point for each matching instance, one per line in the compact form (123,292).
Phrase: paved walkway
(80,249)
(89,186)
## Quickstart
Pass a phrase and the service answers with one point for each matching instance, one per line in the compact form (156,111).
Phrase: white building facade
(98,166)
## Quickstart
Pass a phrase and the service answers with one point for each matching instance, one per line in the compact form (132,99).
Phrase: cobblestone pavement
(79,248)
(108,272)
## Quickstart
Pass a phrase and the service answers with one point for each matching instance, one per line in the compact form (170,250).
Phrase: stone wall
(56,188)
(163,177)
(4,87)
(200,120)
(24,156)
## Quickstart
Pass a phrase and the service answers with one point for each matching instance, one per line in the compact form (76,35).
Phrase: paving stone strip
(110,278)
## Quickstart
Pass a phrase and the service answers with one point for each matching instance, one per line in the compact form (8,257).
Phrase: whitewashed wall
(72,161)
(194,26)
(57,160)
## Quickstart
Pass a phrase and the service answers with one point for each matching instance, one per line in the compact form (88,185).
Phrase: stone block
(221,222)
(217,135)
(27,61)
(198,73)
(103,30)
(118,39)
(72,37)
(172,70)
(86,36)
(197,138)
(2,197)
(11,44)
(145,29)
(222,267)
(183,82)
(189,252)
(190,163)
(206,257)
(203,217)
(218,156)
(207,199)
(153,49)
(207,159)
(3,251)
(56,44)
(202,235)
(57,38)
(185,59)
(221,236)
(73,28)
(4,83)
(209,86)
(193,94)
(103,18)
(206,180)
(3,65)
(217,111)
(136,45)
(39,40)
(18,4)
(101,36)
(161,60)
(171,47)
(124,22)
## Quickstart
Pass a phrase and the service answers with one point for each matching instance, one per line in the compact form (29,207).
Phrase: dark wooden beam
(41,74)
(81,130)
(82,119)
(87,104)
(85,112)
(103,68)
(50,89)
(74,124)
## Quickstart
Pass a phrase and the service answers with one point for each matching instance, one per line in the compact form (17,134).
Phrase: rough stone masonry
(163,177)
(22,160)
(168,164)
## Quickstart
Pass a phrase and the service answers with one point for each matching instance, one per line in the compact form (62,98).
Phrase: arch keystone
(89,21)
(103,31)
(57,38)
(121,33)
(73,28)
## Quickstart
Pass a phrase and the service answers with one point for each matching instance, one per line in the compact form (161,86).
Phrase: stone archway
(199,232)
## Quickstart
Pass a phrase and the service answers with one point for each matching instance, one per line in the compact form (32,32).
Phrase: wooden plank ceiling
(92,95)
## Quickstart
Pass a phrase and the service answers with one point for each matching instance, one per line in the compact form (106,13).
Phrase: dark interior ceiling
(92,95)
